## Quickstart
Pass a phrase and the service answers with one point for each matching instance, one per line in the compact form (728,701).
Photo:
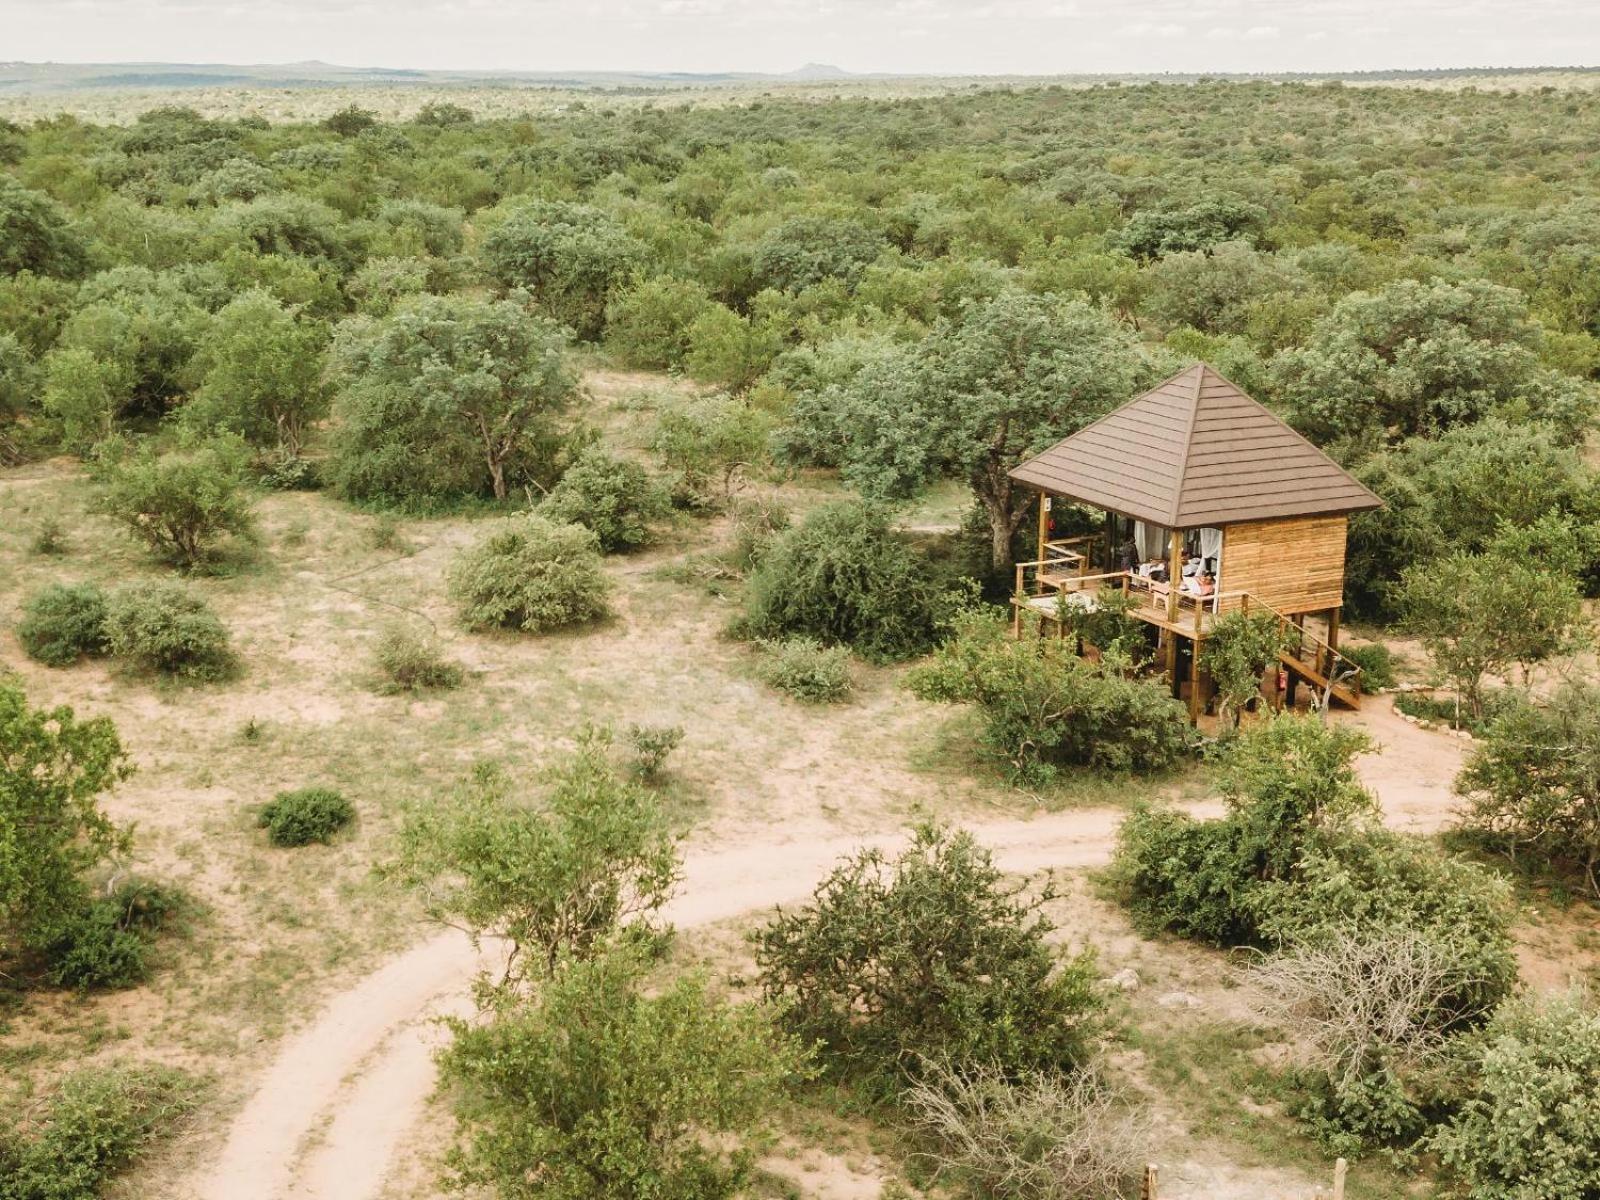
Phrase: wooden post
(1174,573)
(1016,608)
(1333,628)
(1044,524)
(1194,680)
(1148,1191)
(1339,1169)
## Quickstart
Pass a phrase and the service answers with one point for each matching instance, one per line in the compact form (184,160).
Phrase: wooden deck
(1062,577)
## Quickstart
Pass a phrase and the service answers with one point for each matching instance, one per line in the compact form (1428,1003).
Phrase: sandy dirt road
(326,1119)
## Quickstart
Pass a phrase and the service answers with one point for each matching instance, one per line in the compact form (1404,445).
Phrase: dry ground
(304,985)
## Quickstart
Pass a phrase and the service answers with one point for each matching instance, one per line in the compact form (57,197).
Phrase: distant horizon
(1483,68)
(947,38)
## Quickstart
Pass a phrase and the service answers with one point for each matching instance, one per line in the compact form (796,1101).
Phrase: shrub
(50,539)
(1041,1136)
(1530,1128)
(806,669)
(1237,654)
(652,744)
(105,943)
(648,325)
(599,1086)
(1378,664)
(408,661)
(304,816)
(1372,1016)
(167,629)
(843,577)
(755,522)
(557,878)
(1533,782)
(615,498)
(63,623)
(181,504)
(52,832)
(534,575)
(707,443)
(1044,708)
(927,956)
(100,1122)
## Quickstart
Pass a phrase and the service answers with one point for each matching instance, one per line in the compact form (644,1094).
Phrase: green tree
(928,954)
(1530,1125)
(53,770)
(260,373)
(181,503)
(1532,784)
(447,397)
(977,396)
(599,1089)
(570,257)
(555,878)
(648,324)
(1236,654)
(1482,614)
(35,235)
(1421,358)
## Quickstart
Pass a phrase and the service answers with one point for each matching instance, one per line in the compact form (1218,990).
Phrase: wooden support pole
(1148,1191)
(1339,1169)
(1174,573)
(1333,628)
(1044,524)
(1194,681)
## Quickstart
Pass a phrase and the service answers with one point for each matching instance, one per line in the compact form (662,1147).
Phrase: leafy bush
(555,878)
(843,577)
(1238,652)
(1042,1136)
(63,623)
(1296,865)
(181,504)
(100,1122)
(615,498)
(1532,784)
(648,325)
(1043,707)
(652,744)
(598,1086)
(534,576)
(167,629)
(1530,1128)
(1377,663)
(50,538)
(304,816)
(52,832)
(707,443)
(928,955)
(571,257)
(105,943)
(408,661)
(806,669)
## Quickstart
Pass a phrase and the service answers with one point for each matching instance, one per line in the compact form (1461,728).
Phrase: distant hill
(22,78)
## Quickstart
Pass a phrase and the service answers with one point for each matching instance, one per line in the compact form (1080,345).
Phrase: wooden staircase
(1310,658)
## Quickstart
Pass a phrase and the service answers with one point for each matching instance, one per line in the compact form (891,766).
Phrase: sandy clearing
(360,1076)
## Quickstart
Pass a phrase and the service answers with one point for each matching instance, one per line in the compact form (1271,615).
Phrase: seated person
(1202,585)
(1155,571)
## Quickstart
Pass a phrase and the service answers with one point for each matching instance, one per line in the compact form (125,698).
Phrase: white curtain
(1211,548)
(1152,540)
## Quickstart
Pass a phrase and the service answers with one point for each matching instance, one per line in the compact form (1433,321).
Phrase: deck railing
(1065,572)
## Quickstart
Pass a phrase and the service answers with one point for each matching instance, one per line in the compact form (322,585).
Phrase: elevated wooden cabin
(1196,470)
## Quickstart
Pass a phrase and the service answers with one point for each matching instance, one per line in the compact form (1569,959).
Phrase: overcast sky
(936,36)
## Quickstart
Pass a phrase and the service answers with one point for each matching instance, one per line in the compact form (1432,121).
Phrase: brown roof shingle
(1195,451)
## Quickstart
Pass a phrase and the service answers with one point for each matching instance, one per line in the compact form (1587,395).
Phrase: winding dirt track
(327,1117)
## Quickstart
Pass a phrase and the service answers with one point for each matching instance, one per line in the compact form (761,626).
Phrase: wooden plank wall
(1296,564)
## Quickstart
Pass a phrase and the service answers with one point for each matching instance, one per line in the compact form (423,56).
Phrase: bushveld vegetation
(870,310)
